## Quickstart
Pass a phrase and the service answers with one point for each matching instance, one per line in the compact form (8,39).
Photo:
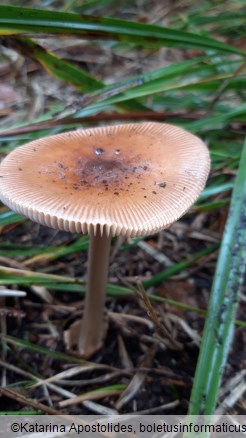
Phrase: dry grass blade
(93,381)
(157,255)
(14,395)
(88,404)
(63,375)
(123,354)
(11,293)
(43,294)
(231,392)
(160,408)
(186,328)
(10,263)
(137,380)
(91,395)
(131,318)
(92,406)
(27,273)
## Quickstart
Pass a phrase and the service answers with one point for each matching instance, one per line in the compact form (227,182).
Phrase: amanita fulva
(130,180)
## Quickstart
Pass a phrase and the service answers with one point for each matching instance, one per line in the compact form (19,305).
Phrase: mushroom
(130,180)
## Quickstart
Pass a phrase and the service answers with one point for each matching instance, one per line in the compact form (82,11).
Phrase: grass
(204,91)
(229,276)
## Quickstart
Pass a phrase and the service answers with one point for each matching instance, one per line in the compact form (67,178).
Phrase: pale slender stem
(91,331)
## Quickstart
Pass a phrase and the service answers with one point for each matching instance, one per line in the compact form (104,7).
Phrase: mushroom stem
(91,330)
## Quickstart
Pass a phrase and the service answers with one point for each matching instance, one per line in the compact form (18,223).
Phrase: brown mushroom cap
(132,179)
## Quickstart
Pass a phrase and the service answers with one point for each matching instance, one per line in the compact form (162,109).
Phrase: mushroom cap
(130,179)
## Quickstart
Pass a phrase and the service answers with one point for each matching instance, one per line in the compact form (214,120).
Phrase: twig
(14,395)
(98,118)
(161,329)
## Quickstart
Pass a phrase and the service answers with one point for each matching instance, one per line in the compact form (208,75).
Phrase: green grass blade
(228,278)
(43,253)
(172,270)
(238,113)
(230,18)
(185,75)
(57,67)
(26,277)
(216,190)
(24,413)
(15,20)
(42,350)
(9,217)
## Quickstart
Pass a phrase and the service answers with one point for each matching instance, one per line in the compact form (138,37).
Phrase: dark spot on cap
(163,185)
(154,193)
(145,196)
(61,166)
(145,168)
(75,186)
(20,168)
(116,193)
(99,151)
